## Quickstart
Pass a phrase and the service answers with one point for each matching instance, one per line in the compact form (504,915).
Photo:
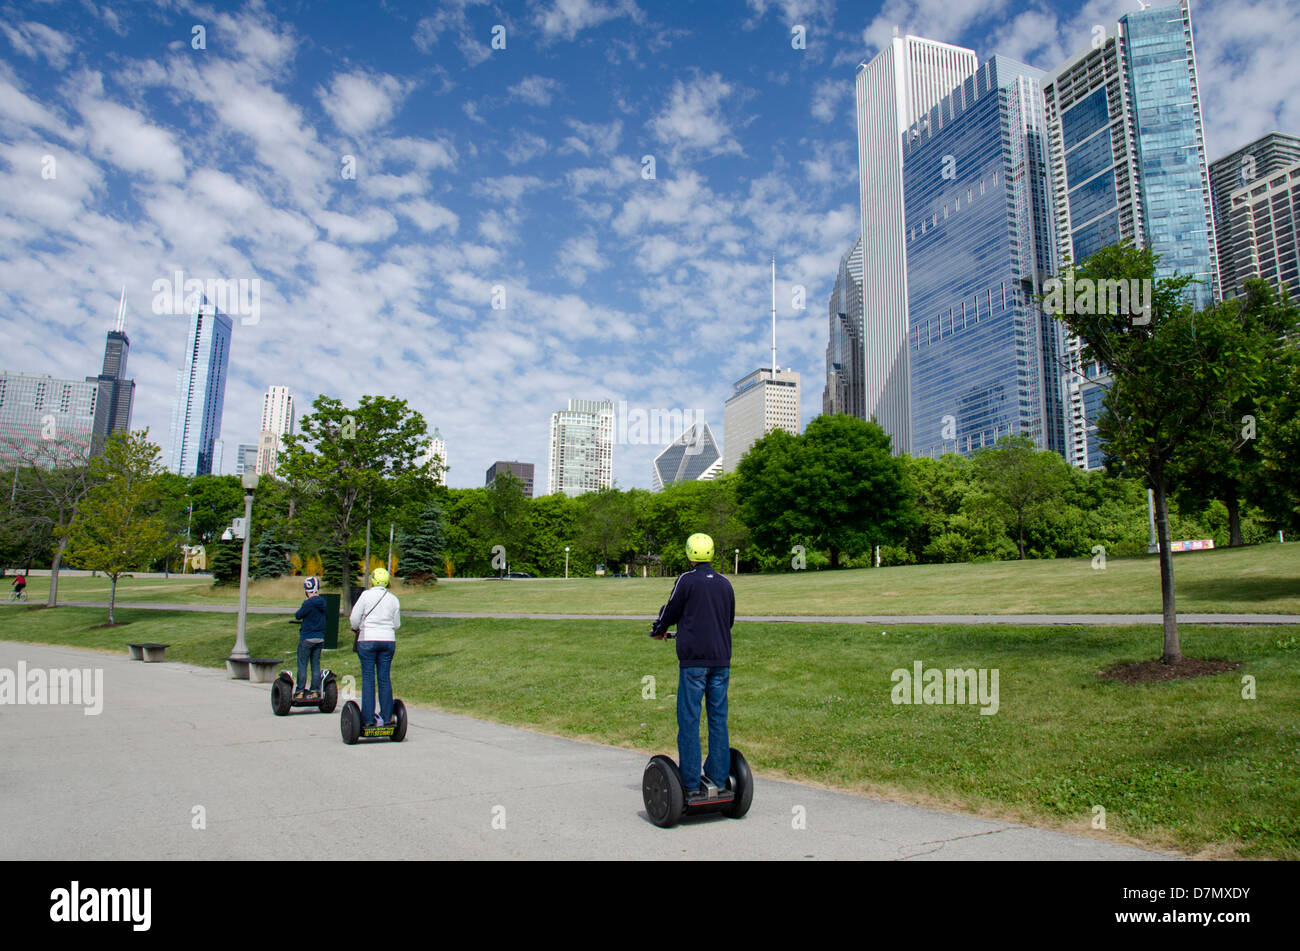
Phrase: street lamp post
(250,483)
(737,568)
(566,562)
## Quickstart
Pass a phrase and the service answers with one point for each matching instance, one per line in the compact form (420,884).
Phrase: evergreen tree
(272,556)
(224,557)
(424,550)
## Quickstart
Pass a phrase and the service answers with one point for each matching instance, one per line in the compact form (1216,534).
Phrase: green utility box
(331,621)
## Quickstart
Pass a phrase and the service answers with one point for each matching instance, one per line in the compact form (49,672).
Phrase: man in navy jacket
(703,606)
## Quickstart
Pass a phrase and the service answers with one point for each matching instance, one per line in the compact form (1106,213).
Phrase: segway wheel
(281,697)
(350,722)
(330,693)
(742,784)
(399,712)
(662,791)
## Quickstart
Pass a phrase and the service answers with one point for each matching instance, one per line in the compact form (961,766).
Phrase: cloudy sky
(143,137)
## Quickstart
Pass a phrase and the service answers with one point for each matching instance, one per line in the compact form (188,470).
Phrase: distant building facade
(437,449)
(278,421)
(906,79)
(1127,153)
(692,456)
(37,411)
(200,394)
(984,360)
(116,395)
(581,450)
(1244,169)
(245,458)
(759,403)
(844,391)
(523,471)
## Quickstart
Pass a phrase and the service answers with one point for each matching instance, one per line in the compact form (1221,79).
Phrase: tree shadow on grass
(1238,589)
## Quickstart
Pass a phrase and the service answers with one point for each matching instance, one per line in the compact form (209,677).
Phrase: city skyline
(654,297)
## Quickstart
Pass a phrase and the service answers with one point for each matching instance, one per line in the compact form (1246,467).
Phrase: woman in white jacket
(377,615)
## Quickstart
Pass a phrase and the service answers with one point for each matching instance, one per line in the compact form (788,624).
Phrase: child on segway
(310,638)
(703,606)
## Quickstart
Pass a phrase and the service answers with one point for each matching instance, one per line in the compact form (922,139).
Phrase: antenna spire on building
(774,315)
(121,312)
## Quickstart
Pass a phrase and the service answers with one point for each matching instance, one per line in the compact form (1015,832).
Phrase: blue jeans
(707,684)
(309,649)
(376,657)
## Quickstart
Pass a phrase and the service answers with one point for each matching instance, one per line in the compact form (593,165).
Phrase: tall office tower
(246,458)
(905,80)
(692,456)
(1127,154)
(760,402)
(1244,168)
(437,449)
(523,471)
(844,384)
(581,454)
(116,393)
(44,421)
(983,357)
(277,422)
(200,393)
(1264,230)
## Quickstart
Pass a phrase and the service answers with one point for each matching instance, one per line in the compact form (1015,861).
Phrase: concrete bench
(257,670)
(149,653)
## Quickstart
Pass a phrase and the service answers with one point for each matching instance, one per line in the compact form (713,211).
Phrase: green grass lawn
(1187,765)
(1264,578)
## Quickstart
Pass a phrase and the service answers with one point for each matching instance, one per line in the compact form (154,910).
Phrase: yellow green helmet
(379,577)
(699,548)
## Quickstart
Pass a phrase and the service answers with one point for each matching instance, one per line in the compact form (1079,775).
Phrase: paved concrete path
(124,785)
(1030,620)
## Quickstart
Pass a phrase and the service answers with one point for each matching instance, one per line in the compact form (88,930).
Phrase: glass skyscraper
(900,84)
(200,394)
(1245,169)
(1127,153)
(984,359)
(844,382)
(694,455)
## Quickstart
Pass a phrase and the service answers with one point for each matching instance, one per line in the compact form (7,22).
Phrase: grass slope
(1189,765)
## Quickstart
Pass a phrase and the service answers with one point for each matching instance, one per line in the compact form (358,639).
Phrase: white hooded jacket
(382,613)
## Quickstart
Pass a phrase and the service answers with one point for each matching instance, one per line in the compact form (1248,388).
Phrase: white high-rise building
(277,422)
(581,455)
(437,449)
(762,401)
(904,81)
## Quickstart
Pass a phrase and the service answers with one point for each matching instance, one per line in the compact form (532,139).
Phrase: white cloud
(693,120)
(590,136)
(828,95)
(34,39)
(536,90)
(130,141)
(567,18)
(450,19)
(359,102)
(524,147)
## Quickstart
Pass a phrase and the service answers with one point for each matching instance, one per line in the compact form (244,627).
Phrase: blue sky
(477,168)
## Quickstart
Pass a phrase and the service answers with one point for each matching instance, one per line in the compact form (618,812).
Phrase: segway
(283,700)
(352,730)
(665,794)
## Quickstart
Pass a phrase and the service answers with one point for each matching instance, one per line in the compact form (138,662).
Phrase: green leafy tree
(1218,462)
(502,518)
(1275,485)
(117,528)
(50,483)
(838,486)
(606,524)
(1174,373)
(347,461)
(1023,482)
